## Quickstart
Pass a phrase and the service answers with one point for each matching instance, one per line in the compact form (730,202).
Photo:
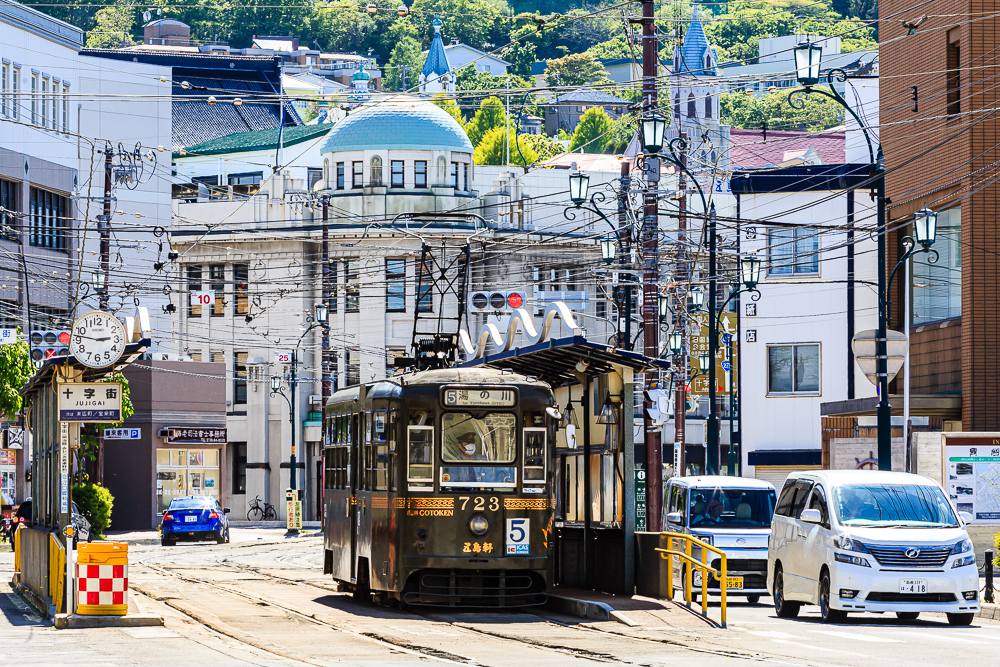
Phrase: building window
(34,97)
(193,285)
(248,178)
(240,378)
(217,357)
(340,176)
(217,280)
(708,106)
(15,91)
(953,74)
(9,224)
(241,288)
(420,174)
(397,179)
(313,176)
(49,219)
(353,363)
(793,369)
(937,288)
(375,177)
(5,102)
(65,107)
(692,109)
(357,174)
(395,285)
(454,175)
(44,121)
(352,289)
(465,176)
(442,175)
(425,289)
(792,251)
(239,454)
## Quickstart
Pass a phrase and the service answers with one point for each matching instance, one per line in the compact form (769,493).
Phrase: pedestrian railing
(684,555)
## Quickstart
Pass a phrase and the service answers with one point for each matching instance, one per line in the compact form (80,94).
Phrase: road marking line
(925,636)
(859,637)
(813,647)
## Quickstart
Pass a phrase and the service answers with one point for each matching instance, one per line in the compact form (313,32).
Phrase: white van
(868,540)
(730,513)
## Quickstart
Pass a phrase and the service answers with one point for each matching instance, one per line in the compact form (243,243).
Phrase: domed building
(398,155)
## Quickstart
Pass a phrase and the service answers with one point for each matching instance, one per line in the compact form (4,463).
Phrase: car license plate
(190,519)
(734,582)
(912,585)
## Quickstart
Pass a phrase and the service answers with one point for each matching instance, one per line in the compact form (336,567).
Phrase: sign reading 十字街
(90,402)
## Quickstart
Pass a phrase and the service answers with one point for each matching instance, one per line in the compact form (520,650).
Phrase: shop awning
(948,406)
(556,361)
(785,457)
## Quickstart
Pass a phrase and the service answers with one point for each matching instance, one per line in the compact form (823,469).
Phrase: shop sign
(12,437)
(195,435)
(90,402)
(122,433)
(972,468)
(8,457)
(640,497)
(8,336)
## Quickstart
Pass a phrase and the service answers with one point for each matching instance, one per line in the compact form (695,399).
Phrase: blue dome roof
(406,123)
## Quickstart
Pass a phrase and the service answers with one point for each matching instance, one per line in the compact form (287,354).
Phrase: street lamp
(704,362)
(807,60)
(609,248)
(750,271)
(275,384)
(320,313)
(663,304)
(652,127)
(579,185)
(676,342)
(925,227)
(697,298)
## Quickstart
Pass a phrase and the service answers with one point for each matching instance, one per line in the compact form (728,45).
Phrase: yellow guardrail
(669,553)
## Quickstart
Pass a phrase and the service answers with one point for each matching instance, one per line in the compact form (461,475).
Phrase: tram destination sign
(479,397)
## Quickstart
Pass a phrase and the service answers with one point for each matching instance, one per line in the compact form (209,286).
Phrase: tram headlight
(478,524)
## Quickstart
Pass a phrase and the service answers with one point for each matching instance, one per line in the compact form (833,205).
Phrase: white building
(437,76)
(399,175)
(462,55)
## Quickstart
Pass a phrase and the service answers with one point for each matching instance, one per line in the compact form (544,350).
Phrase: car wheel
(227,536)
(828,614)
(907,615)
(960,619)
(782,607)
(753,599)
(164,542)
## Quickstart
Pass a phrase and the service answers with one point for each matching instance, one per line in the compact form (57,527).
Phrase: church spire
(436,75)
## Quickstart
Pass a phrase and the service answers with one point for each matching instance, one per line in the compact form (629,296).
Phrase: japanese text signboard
(699,346)
(972,471)
(195,435)
(90,402)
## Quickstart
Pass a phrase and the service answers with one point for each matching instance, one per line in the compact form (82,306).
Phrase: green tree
(90,434)
(15,370)
(748,111)
(576,69)
(342,25)
(468,79)
(490,115)
(450,106)
(95,503)
(620,133)
(616,47)
(545,147)
(402,72)
(495,144)
(113,26)
(591,133)
(482,24)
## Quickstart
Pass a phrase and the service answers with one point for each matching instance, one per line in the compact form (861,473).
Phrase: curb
(590,609)
(77,622)
(988,610)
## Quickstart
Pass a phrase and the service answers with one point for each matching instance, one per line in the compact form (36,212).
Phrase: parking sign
(518,538)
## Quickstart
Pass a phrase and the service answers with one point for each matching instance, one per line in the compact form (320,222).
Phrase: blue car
(194,518)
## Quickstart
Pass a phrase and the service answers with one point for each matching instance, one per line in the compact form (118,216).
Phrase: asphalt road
(263,600)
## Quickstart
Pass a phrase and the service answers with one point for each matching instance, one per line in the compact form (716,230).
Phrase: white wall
(862,93)
(810,309)
(460,55)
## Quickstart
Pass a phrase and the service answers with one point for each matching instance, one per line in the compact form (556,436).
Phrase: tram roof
(555,361)
(392,387)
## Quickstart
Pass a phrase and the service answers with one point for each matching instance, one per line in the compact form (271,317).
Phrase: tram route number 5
(518,539)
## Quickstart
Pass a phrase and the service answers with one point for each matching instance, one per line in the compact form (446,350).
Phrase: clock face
(98,339)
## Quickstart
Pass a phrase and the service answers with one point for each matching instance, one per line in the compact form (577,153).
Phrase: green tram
(438,489)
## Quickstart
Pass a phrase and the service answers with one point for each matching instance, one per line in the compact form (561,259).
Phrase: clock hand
(99,340)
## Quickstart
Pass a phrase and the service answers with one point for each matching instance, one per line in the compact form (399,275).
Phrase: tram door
(356,470)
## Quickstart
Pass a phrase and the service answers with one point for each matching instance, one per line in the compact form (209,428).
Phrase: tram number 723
(480,504)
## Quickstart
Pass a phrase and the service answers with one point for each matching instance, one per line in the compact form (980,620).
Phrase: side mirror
(226,510)
(965,517)
(811,515)
(675,517)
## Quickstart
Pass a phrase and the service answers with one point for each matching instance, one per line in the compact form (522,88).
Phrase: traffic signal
(48,343)
(498,301)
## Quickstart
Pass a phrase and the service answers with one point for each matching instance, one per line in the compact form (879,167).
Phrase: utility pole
(625,256)
(104,229)
(680,317)
(650,258)
(327,290)
(712,437)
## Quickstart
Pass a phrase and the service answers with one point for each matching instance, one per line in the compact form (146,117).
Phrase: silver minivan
(732,514)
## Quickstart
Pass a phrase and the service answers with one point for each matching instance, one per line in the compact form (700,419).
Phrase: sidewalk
(636,611)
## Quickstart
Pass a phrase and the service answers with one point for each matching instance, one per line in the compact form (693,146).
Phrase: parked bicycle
(261,511)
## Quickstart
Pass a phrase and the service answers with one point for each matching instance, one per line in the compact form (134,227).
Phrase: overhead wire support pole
(104,230)
(712,437)
(650,260)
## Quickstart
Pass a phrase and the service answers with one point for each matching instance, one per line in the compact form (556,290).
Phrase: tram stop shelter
(599,483)
(55,434)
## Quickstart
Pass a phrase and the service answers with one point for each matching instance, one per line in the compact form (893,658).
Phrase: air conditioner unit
(315,399)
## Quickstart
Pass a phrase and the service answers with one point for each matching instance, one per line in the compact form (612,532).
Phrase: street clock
(97,339)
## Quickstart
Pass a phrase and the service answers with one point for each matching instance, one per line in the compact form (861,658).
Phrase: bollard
(988,571)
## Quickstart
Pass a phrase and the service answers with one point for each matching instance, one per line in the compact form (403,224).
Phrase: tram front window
(477,444)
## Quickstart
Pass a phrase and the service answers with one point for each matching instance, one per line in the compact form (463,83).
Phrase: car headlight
(851,559)
(848,543)
(964,560)
(961,547)
(478,525)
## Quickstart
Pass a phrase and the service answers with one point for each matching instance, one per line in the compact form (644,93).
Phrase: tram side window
(420,456)
(381,445)
(534,456)
(335,463)
(391,441)
(369,453)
